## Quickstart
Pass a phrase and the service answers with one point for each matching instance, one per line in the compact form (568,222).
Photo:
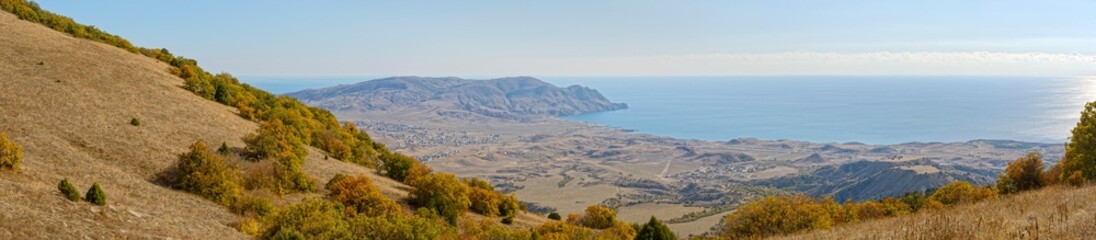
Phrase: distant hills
(507,98)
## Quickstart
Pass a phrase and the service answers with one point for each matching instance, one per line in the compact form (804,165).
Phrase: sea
(864,109)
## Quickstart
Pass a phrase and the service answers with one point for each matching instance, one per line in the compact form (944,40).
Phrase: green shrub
(96,195)
(68,190)
(11,154)
(135,122)
(441,193)
(397,166)
(508,220)
(206,174)
(554,216)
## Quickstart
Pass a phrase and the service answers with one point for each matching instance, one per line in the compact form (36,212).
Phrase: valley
(564,166)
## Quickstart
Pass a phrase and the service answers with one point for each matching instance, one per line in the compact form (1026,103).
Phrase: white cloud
(805,63)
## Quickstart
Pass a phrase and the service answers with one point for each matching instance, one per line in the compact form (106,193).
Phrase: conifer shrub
(96,195)
(135,122)
(224,150)
(508,220)
(68,190)
(655,230)
(11,154)
(555,216)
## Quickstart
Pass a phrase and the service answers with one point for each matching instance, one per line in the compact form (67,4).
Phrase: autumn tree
(361,197)
(1025,173)
(776,215)
(442,193)
(598,217)
(1079,161)
(11,154)
(961,192)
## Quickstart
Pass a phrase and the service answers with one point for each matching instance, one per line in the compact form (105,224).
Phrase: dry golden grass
(1051,213)
(69,102)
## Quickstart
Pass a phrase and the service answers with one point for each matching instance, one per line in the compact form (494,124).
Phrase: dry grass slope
(69,102)
(1051,213)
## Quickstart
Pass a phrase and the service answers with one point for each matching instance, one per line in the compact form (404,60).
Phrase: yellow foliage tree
(361,197)
(11,154)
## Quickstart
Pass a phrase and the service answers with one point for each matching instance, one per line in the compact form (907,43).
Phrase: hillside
(1057,212)
(69,102)
(509,98)
(870,180)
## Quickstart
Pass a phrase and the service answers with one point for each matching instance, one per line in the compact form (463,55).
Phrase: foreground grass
(1057,212)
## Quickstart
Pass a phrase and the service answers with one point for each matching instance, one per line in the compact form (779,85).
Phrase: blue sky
(610,38)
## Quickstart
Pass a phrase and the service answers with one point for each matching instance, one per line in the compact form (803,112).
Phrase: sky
(609,38)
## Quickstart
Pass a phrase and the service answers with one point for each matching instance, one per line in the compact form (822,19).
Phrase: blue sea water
(874,110)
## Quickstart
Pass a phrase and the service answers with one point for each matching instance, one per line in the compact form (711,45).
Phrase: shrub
(135,122)
(1025,173)
(397,166)
(206,174)
(655,230)
(96,195)
(561,230)
(508,220)
(11,154)
(248,226)
(68,190)
(275,138)
(554,216)
(224,150)
(1053,176)
(598,217)
(961,192)
(254,206)
(484,201)
(311,219)
(400,227)
(441,193)
(775,215)
(361,197)
(509,205)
